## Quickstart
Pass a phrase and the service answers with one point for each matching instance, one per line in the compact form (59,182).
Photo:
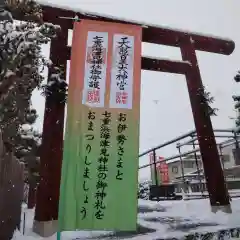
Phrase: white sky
(172,115)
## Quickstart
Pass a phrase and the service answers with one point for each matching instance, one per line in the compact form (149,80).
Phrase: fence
(195,179)
(11,193)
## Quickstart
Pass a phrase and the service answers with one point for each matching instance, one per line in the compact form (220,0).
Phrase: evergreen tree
(236,99)
(27,147)
(206,100)
(27,150)
(21,62)
(57,87)
(237,77)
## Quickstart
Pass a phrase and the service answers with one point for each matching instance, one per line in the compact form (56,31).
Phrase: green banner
(100,164)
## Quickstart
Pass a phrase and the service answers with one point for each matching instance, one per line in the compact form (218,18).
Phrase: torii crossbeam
(52,142)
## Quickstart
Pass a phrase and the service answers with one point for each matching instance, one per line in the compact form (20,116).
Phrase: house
(179,167)
(230,163)
(191,166)
(228,157)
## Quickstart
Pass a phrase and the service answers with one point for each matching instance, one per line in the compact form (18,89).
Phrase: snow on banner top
(203,42)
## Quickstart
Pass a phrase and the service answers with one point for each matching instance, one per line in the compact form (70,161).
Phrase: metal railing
(232,139)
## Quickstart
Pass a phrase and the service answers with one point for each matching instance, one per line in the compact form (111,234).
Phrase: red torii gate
(52,141)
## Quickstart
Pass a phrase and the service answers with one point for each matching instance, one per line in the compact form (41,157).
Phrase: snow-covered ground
(163,220)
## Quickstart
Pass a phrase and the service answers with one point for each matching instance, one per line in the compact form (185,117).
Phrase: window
(188,164)
(200,164)
(225,158)
(175,169)
(236,155)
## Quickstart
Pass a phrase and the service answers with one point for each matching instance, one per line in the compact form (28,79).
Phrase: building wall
(189,165)
(175,168)
(228,161)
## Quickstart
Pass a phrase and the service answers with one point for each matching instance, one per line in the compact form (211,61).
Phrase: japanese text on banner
(102,168)
(89,139)
(95,69)
(121,139)
(121,95)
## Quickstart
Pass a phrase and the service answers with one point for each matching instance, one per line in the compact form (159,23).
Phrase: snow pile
(144,190)
(163,220)
(18,236)
(57,86)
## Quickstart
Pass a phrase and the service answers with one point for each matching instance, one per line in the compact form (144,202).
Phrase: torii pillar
(46,212)
(48,192)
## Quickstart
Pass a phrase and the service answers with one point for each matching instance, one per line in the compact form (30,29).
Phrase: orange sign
(162,170)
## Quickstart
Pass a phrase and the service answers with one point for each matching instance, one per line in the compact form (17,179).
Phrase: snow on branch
(20,51)
(237,77)
(27,132)
(206,100)
(237,105)
(26,9)
(236,99)
(21,60)
(57,87)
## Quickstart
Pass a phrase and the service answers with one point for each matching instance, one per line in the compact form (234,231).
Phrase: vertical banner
(99,179)
(162,171)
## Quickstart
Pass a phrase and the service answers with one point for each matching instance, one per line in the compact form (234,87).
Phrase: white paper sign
(121,93)
(95,69)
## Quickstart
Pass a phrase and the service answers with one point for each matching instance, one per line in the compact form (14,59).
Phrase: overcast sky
(172,115)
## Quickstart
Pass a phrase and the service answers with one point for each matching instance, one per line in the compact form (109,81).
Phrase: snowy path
(163,220)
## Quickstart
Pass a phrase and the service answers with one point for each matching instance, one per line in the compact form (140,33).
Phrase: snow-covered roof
(183,159)
(194,173)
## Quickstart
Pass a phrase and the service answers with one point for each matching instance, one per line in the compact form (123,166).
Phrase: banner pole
(58,235)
